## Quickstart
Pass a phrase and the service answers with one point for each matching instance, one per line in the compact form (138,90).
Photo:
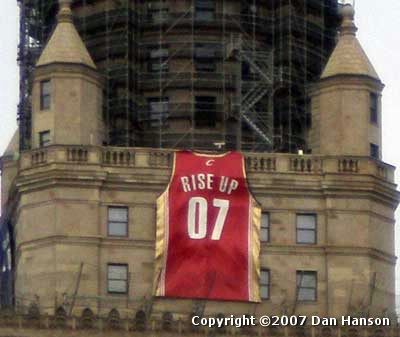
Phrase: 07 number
(197,218)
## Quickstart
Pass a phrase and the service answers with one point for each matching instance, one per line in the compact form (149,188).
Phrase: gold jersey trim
(254,250)
(253,241)
(162,236)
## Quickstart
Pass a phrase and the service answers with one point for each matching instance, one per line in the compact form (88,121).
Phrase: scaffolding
(194,74)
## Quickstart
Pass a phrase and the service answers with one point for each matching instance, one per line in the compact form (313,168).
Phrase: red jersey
(208,230)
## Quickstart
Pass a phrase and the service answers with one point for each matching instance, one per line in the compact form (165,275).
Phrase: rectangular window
(117,278)
(306,228)
(159,59)
(117,221)
(374,107)
(248,72)
(205,50)
(205,111)
(203,65)
(44,138)
(45,95)
(374,149)
(205,57)
(205,10)
(264,232)
(264,284)
(157,11)
(158,108)
(306,285)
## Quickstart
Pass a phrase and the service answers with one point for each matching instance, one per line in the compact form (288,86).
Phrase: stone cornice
(289,185)
(268,249)
(346,82)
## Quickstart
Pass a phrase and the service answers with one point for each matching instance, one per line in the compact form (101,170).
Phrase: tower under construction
(197,74)
(103,111)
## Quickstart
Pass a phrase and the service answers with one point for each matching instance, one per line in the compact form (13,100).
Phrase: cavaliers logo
(210,162)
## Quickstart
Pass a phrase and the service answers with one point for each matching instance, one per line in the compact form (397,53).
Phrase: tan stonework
(57,198)
(349,56)
(61,221)
(75,113)
(340,108)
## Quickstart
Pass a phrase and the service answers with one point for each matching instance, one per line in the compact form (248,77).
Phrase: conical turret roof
(349,58)
(13,145)
(65,45)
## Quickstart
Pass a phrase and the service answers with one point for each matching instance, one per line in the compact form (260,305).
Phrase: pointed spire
(349,58)
(348,26)
(65,12)
(65,45)
(13,145)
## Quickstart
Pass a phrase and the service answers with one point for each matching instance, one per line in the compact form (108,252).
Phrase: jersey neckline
(216,155)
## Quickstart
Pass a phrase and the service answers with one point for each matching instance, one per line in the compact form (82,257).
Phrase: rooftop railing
(256,163)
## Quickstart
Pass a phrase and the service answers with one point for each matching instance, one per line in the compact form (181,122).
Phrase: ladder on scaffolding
(252,91)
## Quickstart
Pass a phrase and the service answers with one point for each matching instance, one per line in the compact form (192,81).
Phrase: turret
(9,169)
(346,102)
(67,89)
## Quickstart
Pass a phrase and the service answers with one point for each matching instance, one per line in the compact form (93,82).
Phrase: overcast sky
(379,27)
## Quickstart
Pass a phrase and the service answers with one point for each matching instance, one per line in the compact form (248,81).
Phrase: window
(117,278)
(205,50)
(373,98)
(246,70)
(306,285)
(159,59)
(205,10)
(264,232)
(157,11)
(205,57)
(45,95)
(118,221)
(44,138)
(306,228)
(264,284)
(158,108)
(203,65)
(205,111)
(374,149)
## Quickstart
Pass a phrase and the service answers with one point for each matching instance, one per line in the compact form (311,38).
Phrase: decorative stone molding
(163,159)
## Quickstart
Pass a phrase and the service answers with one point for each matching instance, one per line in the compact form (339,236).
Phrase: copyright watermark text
(265,321)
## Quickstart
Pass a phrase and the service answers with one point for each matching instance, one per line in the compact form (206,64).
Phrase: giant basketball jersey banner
(208,225)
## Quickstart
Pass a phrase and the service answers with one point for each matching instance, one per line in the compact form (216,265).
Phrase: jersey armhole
(171,176)
(247,183)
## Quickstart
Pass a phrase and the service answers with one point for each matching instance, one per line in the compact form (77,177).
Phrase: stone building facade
(80,216)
